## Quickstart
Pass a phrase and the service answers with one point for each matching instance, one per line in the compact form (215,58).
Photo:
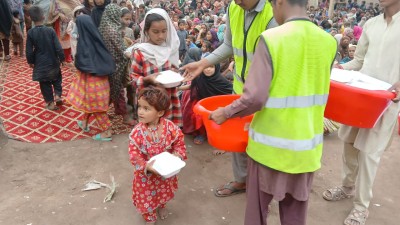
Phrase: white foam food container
(167,165)
(359,80)
(169,79)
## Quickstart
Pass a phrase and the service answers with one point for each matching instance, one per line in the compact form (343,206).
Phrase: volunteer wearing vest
(287,89)
(246,20)
(377,55)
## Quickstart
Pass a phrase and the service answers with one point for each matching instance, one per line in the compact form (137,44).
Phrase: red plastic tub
(232,135)
(354,106)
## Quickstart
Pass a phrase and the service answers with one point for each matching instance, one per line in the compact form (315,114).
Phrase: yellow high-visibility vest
(244,42)
(287,134)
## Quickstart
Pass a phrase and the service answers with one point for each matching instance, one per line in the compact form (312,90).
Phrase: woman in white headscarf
(158,51)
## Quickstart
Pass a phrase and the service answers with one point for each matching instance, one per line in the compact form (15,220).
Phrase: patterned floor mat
(22,108)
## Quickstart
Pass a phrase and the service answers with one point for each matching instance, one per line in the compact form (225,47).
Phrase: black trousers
(46,87)
(5,45)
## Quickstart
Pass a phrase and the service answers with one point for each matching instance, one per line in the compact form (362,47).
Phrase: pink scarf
(357,31)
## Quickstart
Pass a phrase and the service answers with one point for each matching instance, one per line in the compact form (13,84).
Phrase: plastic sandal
(80,125)
(336,194)
(98,137)
(199,139)
(234,191)
(356,216)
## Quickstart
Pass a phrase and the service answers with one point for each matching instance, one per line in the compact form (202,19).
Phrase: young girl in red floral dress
(158,51)
(152,136)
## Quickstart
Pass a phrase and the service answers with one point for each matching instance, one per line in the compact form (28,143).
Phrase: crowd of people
(119,47)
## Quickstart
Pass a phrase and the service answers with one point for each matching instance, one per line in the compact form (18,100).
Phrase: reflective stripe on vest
(296,101)
(294,145)
(237,76)
(239,53)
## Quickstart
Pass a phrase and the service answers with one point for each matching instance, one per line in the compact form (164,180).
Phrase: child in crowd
(110,30)
(206,48)
(44,54)
(60,25)
(209,83)
(158,51)
(17,37)
(350,56)
(90,90)
(190,42)
(140,14)
(152,136)
(344,46)
(182,34)
(212,37)
(126,19)
(27,18)
(129,39)
(72,30)
(122,4)
(175,20)
(221,33)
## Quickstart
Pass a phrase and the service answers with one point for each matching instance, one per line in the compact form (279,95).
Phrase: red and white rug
(22,108)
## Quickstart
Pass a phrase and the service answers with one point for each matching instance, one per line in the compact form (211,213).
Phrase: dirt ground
(41,185)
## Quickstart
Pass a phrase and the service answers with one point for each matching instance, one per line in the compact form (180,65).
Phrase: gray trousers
(239,166)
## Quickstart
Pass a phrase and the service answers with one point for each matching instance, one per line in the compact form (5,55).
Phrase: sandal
(234,191)
(51,106)
(80,125)
(336,194)
(356,216)
(98,137)
(199,139)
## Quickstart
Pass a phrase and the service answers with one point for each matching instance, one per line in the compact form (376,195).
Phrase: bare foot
(217,152)
(163,212)
(58,100)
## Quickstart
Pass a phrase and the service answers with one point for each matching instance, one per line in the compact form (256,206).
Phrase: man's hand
(337,66)
(192,70)
(231,65)
(218,116)
(396,89)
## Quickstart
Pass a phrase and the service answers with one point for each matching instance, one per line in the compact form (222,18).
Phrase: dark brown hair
(156,97)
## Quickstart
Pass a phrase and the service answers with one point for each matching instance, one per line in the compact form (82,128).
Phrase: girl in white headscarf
(157,51)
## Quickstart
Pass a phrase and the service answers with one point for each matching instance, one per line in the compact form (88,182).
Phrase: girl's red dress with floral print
(151,191)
